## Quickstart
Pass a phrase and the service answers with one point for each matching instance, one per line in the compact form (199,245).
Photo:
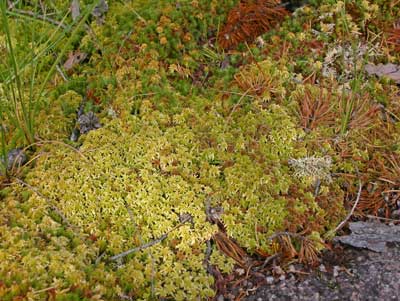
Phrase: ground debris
(15,159)
(88,122)
(391,71)
(372,236)
(74,58)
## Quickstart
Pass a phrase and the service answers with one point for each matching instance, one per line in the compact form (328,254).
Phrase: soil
(345,273)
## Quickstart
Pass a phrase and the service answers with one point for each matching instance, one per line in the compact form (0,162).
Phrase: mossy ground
(274,135)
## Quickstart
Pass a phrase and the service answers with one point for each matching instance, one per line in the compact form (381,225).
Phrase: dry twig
(340,226)
(52,207)
(150,243)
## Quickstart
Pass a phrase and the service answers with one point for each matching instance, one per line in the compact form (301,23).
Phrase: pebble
(270,280)
(15,158)
(292,269)
(336,270)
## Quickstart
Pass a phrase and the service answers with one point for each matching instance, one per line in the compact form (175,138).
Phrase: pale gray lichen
(312,167)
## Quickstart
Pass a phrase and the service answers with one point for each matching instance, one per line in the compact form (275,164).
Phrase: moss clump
(161,167)
(185,127)
(62,113)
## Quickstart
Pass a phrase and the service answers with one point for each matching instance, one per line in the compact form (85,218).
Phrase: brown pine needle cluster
(307,251)
(230,248)
(316,109)
(361,112)
(383,194)
(393,36)
(248,20)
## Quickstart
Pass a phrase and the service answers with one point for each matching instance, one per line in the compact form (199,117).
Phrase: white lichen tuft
(312,167)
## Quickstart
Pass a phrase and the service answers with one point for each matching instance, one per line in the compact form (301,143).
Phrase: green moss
(178,131)
(57,120)
(164,166)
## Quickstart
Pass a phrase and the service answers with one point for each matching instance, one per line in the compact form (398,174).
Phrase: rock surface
(354,275)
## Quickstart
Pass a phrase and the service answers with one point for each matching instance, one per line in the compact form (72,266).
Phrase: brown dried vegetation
(393,36)
(383,191)
(248,20)
(315,108)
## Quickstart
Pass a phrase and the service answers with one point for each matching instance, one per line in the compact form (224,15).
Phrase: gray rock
(15,159)
(372,236)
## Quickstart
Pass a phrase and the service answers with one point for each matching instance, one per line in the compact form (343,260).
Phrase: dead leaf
(75,9)
(372,236)
(391,71)
(74,58)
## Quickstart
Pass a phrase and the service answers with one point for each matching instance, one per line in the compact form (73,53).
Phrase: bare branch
(52,207)
(150,243)
(340,226)
(140,248)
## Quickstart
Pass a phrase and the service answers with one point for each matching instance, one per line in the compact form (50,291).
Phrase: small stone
(282,277)
(74,135)
(395,214)
(322,268)
(336,270)
(111,113)
(278,270)
(15,158)
(220,298)
(270,280)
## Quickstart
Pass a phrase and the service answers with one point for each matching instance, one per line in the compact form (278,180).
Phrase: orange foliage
(393,37)
(248,20)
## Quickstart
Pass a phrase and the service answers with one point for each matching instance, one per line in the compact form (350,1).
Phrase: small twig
(238,103)
(234,93)
(52,207)
(44,290)
(64,77)
(391,190)
(317,186)
(40,142)
(340,226)
(37,16)
(384,218)
(386,180)
(137,15)
(269,259)
(277,234)
(140,248)
(150,243)
(141,241)
(98,259)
